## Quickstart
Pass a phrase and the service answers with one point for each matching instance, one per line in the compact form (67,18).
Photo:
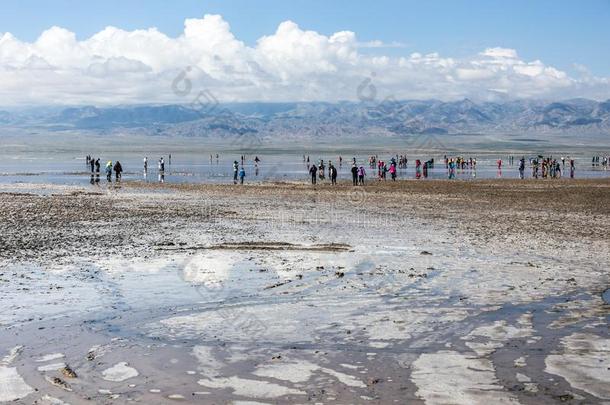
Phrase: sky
(131,51)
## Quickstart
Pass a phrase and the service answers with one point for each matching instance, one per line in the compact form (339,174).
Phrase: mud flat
(432,292)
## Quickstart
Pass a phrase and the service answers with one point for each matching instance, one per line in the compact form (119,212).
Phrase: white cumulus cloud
(115,66)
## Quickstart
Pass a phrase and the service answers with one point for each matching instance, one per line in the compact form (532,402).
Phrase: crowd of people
(95,166)
(548,167)
(541,167)
(380,169)
(603,161)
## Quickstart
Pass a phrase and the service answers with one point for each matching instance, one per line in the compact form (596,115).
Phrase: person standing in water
(332,172)
(162,165)
(354,174)
(145,164)
(118,169)
(170,159)
(109,171)
(313,172)
(235,171)
(361,174)
(522,168)
(242,174)
(321,169)
(91,162)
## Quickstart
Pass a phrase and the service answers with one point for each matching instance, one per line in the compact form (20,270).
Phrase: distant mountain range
(319,119)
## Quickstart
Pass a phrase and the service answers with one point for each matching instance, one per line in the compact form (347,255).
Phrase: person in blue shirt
(242,174)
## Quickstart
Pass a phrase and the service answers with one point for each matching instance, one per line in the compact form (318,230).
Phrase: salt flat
(432,292)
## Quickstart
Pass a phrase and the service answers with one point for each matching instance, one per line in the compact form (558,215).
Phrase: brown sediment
(329,247)
(141,217)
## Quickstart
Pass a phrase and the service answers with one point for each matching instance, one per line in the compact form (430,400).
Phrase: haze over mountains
(389,117)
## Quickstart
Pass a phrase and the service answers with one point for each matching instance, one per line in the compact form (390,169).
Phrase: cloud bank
(146,66)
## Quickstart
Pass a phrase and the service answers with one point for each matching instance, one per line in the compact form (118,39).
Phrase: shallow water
(68,169)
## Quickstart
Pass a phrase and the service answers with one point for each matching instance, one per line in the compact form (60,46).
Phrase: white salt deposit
(175,396)
(497,334)
(520,361)
(350,366)
(12,385)
(295,371)
(301,371)
(585,363)
(51,367)
(250,388)
(11,356)
(344,378)
(454,378)
(209,366)
(49,357)
(49,400)
(119,372)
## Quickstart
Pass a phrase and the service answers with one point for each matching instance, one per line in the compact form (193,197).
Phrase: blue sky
(560,33)
(130,51)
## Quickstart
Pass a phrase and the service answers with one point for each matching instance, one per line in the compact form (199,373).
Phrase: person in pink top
(393,171)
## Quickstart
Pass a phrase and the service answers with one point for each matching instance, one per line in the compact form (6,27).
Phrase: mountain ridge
(389,117)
